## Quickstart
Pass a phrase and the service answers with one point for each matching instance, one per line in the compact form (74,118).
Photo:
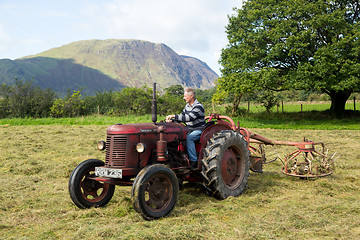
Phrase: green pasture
(296,106)
(274,121)
(314,116)
(36,162)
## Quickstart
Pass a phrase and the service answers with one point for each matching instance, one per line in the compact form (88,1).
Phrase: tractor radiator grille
(115,151)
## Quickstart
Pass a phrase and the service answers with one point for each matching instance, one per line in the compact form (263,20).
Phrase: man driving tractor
(193,116)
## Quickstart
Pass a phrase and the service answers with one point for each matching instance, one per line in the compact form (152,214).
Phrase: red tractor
(152,157)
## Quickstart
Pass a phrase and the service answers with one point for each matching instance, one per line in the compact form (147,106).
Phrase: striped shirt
(193,116)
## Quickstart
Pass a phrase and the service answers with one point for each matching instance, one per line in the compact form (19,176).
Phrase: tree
(132,100)
(24,99)
(294,44)
(101,103)
(268,99)
(175,90)
(234,86)
(205,96)
(172,101)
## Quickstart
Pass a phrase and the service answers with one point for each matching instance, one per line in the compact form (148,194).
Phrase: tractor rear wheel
(155,191)
(225,166)
(84,191)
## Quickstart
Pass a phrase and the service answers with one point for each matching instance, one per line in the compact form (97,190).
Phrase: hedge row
(23,99)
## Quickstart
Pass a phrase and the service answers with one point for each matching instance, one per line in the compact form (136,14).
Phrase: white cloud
(18,47)
(3,35)
(190,27)
(32,41)
(176,21)
(4,40)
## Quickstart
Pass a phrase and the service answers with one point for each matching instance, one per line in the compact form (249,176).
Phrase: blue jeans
(191,138)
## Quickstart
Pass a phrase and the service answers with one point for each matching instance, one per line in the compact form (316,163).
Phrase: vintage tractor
(151,157)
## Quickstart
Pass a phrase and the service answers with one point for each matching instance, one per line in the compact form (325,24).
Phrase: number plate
(108,172)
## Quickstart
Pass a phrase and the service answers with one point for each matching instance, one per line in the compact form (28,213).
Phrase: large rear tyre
(225,166)
(85,192)
(155,191)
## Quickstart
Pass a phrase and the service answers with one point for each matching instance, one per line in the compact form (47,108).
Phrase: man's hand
(169,117)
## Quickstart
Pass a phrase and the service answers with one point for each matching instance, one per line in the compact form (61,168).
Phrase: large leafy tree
(294,44)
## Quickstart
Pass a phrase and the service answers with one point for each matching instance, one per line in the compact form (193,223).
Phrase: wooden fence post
(354,103)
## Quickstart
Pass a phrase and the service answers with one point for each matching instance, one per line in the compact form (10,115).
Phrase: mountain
(95,65)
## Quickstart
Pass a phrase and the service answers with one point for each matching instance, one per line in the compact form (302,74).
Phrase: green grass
(295,120)
(314,116)
(36,162)
(288,120)
(296,107)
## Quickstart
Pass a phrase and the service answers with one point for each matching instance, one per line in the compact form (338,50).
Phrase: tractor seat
(208,124)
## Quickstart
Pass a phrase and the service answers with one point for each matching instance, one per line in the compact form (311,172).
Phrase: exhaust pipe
(154,106)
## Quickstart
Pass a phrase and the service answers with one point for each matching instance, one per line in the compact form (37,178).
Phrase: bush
(170,104)
(23,99)
(133,101)
(268,99)
(71,106)
(101,103)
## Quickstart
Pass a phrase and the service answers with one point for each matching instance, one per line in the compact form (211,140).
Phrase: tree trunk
(236,103)
(338,101)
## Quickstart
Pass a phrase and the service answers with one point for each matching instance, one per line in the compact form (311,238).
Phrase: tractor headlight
(101,145)
(140,147)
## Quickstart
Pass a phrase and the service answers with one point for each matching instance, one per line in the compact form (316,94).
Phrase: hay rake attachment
(310,160)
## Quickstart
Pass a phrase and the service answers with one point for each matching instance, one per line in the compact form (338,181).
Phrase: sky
(194,28)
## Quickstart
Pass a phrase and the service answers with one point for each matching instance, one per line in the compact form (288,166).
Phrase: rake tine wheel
(313,164)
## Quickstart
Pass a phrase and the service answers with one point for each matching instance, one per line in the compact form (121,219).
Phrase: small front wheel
(155,191)
(84,191)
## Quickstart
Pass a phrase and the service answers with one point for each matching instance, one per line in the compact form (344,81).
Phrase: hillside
(95,65)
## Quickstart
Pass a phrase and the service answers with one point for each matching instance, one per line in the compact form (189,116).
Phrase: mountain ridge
(109,64)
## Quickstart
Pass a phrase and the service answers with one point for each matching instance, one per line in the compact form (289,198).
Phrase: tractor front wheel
(84,191)
(225,166)
(155,191)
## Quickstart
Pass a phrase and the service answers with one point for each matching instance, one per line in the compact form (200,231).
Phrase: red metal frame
(257,152)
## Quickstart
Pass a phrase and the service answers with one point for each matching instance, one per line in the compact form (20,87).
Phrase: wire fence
(300,106)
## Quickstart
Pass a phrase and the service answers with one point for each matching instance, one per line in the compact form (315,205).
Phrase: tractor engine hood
(146,128)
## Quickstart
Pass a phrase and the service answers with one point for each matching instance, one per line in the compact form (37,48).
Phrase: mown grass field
(36,162)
